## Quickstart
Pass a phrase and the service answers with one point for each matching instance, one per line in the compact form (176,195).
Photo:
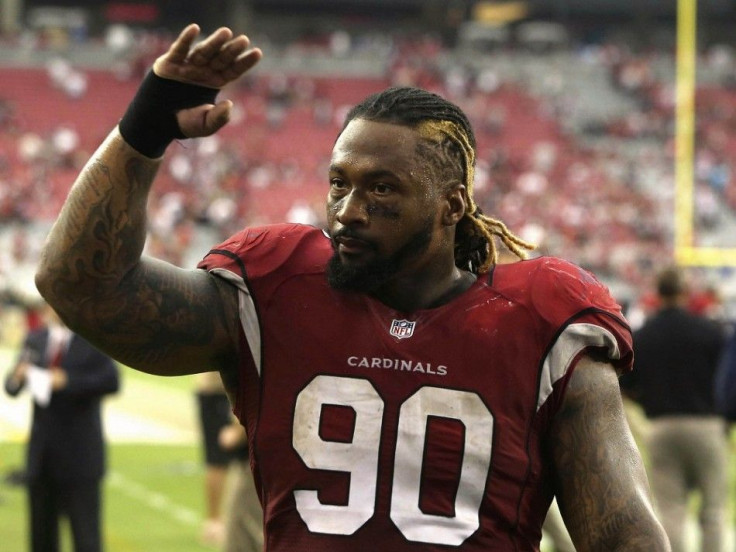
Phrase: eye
(337,184)
(381,188)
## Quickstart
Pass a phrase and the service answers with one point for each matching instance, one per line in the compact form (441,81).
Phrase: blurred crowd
(597,191)
(599,194)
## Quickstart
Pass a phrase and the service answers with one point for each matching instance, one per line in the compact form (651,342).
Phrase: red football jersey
(372,429)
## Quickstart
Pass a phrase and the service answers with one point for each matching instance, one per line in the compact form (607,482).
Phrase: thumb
(204,120)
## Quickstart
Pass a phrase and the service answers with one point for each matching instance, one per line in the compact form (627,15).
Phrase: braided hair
(446,129)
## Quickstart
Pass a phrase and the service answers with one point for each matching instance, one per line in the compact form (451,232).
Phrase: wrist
(149,124)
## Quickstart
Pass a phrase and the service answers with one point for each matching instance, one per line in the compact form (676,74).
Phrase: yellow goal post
(686,252)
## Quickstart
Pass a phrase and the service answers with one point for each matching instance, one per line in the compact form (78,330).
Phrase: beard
(366,277)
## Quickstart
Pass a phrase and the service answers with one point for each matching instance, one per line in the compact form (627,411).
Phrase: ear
(455,204)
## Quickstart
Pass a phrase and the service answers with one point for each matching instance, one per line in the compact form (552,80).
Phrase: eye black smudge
(383,211)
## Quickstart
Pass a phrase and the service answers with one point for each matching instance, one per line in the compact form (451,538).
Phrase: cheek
(331,208)
(388,212)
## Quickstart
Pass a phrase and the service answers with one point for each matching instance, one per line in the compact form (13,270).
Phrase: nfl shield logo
(402,328)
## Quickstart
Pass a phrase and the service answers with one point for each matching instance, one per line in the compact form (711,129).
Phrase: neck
(418,292)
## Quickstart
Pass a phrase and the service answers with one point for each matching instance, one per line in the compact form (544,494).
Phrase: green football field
(154,490)
(153,499)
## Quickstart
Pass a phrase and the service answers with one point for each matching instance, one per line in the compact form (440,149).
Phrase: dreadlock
(447,129)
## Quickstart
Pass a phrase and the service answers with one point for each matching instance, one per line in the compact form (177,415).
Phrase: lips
(352,246)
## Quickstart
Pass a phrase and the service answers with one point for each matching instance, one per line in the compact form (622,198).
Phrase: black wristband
(149,124)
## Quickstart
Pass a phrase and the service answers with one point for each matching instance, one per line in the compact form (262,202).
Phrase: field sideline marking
(152,499)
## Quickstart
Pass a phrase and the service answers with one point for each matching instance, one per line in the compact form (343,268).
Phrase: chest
(482,342)
(445,382)
(375,415)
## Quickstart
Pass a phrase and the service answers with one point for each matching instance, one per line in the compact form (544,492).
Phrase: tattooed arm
(146,313)
(601,484)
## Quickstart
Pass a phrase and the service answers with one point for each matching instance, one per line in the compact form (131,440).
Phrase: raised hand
(214,62)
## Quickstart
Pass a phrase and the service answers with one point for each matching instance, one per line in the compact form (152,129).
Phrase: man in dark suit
(676,354)
(67,378)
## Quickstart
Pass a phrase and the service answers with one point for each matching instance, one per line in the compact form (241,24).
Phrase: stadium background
(576,106)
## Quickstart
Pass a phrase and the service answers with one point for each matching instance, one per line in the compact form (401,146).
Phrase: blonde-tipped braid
(480,225)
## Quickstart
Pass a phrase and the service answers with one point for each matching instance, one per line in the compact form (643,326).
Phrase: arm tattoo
(144,312)
(100,232)
(601,484)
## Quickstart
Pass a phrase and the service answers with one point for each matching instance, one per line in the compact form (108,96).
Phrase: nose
(351,209)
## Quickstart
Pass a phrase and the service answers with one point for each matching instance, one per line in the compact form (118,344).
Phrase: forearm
(608,517)
(143,312)
(99,235)
(602,487)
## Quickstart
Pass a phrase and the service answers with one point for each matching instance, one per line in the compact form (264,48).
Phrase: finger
(230,51)
(204,120)
(179,50)
(243,63)
(203,52)
(218,116)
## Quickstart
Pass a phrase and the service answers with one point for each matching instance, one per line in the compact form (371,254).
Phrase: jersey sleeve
(574,314)
(562,294)
(257,261)
(268,254)
(587,319)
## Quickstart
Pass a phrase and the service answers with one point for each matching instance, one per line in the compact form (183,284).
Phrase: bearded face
(367,272)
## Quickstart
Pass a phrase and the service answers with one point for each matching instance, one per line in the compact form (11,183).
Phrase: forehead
(391,146)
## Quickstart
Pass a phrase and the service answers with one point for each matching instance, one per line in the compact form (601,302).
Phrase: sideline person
(67,378)
(399,390)
(244,515)
(214,411)
(676,356)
